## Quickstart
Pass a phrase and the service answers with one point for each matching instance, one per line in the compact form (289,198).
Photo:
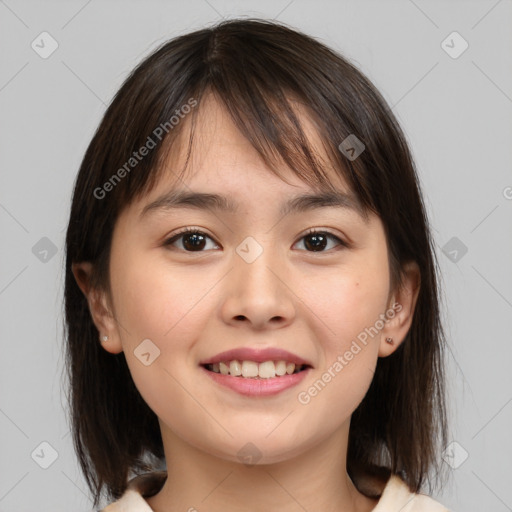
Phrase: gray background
(456,113)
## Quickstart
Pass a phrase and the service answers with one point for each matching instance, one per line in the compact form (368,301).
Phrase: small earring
(104,338)
(389,340)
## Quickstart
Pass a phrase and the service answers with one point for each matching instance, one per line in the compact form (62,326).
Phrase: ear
(401,310)
(101,311)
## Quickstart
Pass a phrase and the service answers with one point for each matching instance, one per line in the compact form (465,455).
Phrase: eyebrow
(207,201)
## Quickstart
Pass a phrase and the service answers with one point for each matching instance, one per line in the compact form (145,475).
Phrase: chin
(257,450)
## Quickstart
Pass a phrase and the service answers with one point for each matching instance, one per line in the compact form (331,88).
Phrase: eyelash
(312,231)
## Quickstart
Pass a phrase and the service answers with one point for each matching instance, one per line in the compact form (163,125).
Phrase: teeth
(280,368)
(251,369)
(267,370)
(235,368)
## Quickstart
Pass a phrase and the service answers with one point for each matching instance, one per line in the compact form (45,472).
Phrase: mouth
(256,380)
(254,370)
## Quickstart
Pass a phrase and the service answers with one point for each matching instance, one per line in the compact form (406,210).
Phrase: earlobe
(401,310)
(111,344)
(101,313)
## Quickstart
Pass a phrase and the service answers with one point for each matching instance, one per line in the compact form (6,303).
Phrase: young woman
(252,305)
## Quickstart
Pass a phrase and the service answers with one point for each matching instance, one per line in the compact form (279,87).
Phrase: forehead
(216,131)
(213,151)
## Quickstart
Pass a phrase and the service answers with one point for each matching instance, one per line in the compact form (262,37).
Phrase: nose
(258,293)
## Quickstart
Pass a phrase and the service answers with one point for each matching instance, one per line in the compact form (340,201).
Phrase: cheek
(347,301)
(157,303)
(155,300)
(348,307)
(168,305)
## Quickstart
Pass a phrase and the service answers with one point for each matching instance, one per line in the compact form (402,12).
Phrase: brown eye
(191,240)
(317,241)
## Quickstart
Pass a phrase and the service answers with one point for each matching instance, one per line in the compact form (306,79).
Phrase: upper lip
(256,355)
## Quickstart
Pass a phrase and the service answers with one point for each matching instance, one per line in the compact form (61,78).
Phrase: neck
(315,480)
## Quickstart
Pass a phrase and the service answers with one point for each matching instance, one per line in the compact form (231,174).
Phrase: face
(251,278)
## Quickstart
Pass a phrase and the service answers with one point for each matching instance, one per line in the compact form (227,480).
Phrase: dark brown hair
(259,70)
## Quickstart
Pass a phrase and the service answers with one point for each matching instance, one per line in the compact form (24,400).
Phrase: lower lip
(257,387)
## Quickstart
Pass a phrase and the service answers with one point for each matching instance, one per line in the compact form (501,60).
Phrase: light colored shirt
(395,496)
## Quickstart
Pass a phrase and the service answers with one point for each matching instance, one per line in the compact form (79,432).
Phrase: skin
(193,305)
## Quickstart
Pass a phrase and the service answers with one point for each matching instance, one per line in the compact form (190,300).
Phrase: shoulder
(138,488)
(397,496)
